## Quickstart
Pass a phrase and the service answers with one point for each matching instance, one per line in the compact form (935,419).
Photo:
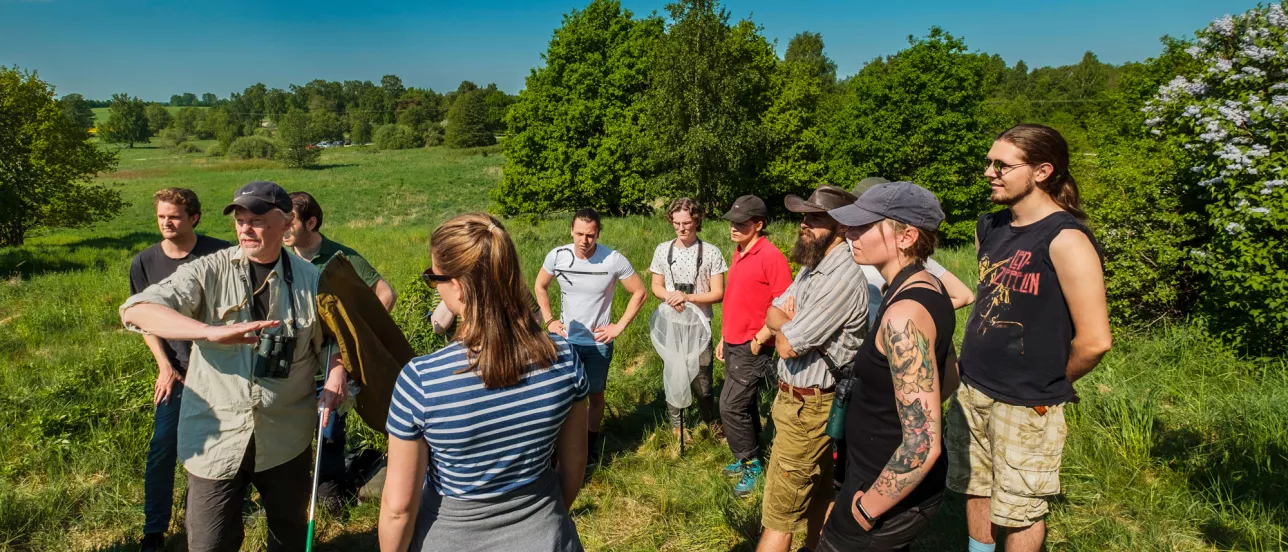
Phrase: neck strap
(697,268)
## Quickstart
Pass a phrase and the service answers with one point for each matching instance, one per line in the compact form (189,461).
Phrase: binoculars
(840,402)
(684,288)
(273,355)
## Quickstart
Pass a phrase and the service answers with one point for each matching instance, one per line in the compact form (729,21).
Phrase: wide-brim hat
(824,199)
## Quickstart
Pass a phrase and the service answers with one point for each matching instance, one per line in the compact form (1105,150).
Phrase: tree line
(1191,209)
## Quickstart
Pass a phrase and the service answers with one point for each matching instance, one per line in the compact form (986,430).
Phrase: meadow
(1176,444)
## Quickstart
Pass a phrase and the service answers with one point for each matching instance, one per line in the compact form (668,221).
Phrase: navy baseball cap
(260,196)
(902,201)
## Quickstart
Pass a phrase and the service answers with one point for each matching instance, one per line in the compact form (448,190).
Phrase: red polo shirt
(756,277)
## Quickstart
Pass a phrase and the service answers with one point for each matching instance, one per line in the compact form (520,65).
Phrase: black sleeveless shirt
(872,428)
(1019,334)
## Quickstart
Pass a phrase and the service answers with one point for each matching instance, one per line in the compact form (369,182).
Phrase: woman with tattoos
(893,429)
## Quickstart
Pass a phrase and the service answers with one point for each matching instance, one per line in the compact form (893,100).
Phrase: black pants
(740,398)
(701,389)
(214,512)
(893,532)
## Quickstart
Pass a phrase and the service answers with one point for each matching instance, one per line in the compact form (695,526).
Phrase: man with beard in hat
(819,323)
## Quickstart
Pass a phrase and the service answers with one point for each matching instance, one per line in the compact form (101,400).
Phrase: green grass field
(1176,445)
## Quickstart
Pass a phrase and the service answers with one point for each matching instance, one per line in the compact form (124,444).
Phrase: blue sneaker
(751,472)
(734,469)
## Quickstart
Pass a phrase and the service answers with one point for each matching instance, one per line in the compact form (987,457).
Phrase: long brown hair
(1043,144)
(502,338)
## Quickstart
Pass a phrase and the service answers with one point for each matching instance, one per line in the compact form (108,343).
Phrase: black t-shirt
(872,429)
(258,273)
(1019,334)
(151,266)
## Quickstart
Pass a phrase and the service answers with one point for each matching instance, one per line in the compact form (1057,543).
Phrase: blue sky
(158,48)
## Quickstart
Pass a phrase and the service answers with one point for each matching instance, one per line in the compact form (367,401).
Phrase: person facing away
(686,270)
(958,292)
(249,412)
(178,211)
(588,273)
(894,478)
(492,406)
(819,323)
(1040,322)
(758,274)
(305,239)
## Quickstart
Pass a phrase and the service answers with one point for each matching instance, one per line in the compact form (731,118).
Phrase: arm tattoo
(913,371)
(910,359)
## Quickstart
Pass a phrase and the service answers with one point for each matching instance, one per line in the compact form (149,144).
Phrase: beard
(809,251)
(1008,198)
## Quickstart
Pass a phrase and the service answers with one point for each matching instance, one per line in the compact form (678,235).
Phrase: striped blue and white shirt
(484,442)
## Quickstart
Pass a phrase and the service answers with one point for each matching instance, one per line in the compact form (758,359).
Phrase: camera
(273,355)
(684,288)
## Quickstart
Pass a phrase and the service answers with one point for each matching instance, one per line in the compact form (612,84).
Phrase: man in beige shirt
(245,419)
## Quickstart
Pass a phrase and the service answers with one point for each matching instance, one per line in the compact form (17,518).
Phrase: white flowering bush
(1230,117)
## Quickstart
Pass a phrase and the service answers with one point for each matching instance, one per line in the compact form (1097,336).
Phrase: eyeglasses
(432,280)
(999,167)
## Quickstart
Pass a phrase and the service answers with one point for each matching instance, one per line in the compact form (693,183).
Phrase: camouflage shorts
(1006,452)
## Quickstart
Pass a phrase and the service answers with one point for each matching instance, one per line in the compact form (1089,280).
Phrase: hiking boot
(734,469)
(751,472)
(152,542)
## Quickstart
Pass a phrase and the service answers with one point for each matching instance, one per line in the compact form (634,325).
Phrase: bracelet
(546,324)
(863,512)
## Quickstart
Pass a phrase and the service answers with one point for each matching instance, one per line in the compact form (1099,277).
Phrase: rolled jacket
(372,346)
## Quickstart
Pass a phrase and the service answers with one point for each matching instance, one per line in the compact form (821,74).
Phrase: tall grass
(1175,445)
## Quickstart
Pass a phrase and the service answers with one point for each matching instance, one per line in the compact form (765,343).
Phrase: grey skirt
(532,518)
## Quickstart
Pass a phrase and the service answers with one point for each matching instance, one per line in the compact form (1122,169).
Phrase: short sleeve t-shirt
(484,442)
(151,266)
(876,280)
(586,288)
(329,248)
(684,267)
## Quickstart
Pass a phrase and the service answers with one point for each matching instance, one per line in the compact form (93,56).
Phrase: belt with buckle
(803,392)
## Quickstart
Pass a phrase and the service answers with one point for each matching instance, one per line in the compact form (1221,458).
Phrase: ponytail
(1043,144)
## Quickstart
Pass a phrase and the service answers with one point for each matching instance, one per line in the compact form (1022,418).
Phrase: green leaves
(127,122)
(46,162)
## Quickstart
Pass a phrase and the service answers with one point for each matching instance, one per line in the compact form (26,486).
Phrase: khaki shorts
(800,463)
(1006,452)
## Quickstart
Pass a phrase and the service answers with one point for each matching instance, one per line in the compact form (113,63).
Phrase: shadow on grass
(29,260)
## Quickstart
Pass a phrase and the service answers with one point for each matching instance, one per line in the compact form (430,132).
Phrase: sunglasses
(432,280)
(999,167)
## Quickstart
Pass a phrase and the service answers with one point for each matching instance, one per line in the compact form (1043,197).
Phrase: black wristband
(858,503)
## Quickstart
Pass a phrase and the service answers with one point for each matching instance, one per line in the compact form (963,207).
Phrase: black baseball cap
(746,207)
(902,201)
(260,196)
(824,199)
(866,184)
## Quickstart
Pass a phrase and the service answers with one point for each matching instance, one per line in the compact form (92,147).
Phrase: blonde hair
(502,338)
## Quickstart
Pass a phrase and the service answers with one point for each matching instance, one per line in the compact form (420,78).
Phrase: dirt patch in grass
(135,174)
(493,172)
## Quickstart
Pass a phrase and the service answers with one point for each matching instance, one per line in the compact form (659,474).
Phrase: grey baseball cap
(744,208)
(260,196)
(902,201)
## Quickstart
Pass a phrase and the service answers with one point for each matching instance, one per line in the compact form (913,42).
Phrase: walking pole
(317,463)
(682,410)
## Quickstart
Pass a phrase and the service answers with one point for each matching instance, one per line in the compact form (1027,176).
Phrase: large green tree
(793,124)
(294,138)
(574,120)
(47,163)
(806,48)
(158,118)
(75,107)
(467,122)
(127,121)
(711,84)
(920,115)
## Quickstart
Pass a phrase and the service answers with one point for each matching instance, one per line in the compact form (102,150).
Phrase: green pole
(313,500)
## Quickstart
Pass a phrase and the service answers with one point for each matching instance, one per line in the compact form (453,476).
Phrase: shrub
(216,150)
(396,137)
(294,138)
(467,122)
(186,147)
(252,147)
(434,136)
(1231,116)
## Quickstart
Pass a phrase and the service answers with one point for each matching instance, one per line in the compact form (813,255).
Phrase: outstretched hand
(243,333)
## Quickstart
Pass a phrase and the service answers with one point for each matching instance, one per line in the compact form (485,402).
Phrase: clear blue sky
(158,48)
